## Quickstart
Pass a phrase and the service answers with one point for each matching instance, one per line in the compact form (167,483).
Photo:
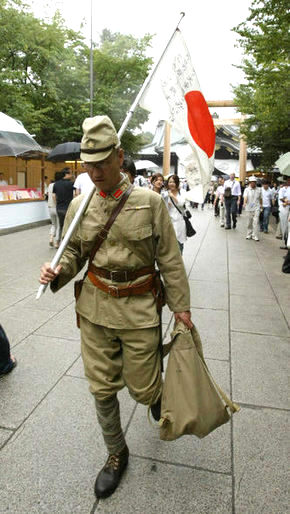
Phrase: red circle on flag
(200,122)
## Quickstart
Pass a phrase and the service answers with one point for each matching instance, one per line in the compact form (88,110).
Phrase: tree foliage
(120,68)
(264,96)
(44,76)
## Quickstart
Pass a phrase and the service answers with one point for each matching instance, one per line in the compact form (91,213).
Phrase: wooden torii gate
(217,123)
(232,121)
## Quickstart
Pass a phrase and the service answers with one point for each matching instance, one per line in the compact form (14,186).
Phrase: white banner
(174,93)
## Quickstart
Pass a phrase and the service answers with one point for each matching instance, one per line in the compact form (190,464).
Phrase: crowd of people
(229,197)
(259,199)
(64,188)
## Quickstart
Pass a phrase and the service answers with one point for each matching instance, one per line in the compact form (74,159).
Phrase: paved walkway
(51,444)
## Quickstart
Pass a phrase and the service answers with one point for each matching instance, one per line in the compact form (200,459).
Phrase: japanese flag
(174,93)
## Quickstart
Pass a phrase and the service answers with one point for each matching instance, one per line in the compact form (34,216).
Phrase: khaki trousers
(112,359)
(253,223)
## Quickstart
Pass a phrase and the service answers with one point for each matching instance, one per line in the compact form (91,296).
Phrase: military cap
(99,139)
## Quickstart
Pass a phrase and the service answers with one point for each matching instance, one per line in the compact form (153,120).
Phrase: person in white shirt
(54,232)
(232,198)
(253,204)
(268,201)
(82,184)
(219,199)
(176,197)
(140,181)
(284,209)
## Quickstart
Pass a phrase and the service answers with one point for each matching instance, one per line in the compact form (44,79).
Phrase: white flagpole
(146,83)
(87,198)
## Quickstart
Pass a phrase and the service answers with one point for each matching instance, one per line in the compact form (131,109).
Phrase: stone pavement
(51,446)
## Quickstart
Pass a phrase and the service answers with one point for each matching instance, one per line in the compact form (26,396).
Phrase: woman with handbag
(176,207)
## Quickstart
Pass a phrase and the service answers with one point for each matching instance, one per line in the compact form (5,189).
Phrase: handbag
(190,231)
(192,403)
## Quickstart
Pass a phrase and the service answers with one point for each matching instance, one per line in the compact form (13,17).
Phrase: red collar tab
(117,193)
(103,194)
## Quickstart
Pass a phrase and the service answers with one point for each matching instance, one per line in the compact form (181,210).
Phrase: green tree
(43,74)
(120,68)
(264,95)
(147,138)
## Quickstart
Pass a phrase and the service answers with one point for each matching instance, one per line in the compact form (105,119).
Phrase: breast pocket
(138,233)
(139,240)
(87,237)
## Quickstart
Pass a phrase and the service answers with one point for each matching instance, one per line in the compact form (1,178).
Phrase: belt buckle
(115,274)
(113,291)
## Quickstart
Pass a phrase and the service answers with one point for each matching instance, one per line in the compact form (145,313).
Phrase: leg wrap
(108,414)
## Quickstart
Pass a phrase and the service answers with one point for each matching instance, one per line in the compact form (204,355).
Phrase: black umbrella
(69,151)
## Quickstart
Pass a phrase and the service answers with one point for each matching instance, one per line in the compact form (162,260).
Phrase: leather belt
(121,275)
(121,292)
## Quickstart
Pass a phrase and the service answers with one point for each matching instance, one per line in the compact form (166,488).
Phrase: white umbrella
(144,165)
(283,164)
(14,138)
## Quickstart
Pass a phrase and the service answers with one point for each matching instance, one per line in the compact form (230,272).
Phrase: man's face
(232,176)
(106,174)
(253,184)
(265,186)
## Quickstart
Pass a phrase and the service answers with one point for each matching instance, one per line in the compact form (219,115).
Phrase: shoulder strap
(176,206)
(103,233)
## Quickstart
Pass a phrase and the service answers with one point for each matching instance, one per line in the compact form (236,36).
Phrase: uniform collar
(119,190)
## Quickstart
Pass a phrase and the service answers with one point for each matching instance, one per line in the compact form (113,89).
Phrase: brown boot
(110,475)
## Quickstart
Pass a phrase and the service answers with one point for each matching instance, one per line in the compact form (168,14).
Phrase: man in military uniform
(117,307)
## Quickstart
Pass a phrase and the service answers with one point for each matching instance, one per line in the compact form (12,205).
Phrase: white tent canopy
(144,165)
(228,166)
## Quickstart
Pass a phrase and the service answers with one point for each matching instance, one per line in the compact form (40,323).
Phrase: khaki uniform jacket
(142,235)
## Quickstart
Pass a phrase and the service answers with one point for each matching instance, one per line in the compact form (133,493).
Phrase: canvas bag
(192,403)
